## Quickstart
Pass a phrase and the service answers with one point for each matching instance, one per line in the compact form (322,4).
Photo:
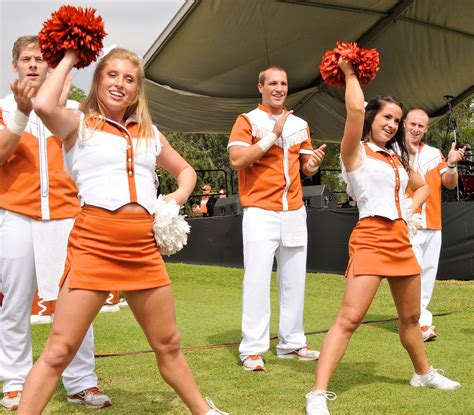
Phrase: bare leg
(155,312)
(358,296)
(406,295)
(75,311)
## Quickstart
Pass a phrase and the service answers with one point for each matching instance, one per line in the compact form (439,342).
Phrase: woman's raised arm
(353,128)
(61,121)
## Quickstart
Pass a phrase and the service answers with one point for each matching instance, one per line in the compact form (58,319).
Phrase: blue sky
(131,24)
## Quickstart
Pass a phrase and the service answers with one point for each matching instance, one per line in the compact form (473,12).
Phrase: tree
(441,134)
(331,169)
(76,94)
(203,152)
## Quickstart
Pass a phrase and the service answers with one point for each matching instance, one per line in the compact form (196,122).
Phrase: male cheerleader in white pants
(268,146)
(431,165)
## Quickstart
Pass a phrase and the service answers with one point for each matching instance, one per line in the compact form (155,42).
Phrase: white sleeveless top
(379,184)
(111,168)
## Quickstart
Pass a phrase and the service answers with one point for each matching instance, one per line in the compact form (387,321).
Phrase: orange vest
(33,181)
(273,181)
(431,165)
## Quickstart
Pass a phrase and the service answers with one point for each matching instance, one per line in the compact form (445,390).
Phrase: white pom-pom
(414,220)
(170,228)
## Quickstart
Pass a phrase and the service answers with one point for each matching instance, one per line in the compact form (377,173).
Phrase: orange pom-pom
(368,65)
(364,61)
(72,28)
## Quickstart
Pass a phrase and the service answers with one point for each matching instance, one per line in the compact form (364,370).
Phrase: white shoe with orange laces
(253,363)
(92,398)
(11,400)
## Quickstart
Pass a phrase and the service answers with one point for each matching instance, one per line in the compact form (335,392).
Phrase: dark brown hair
(373,107)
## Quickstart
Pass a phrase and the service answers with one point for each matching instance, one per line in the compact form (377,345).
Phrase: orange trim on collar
(265,109)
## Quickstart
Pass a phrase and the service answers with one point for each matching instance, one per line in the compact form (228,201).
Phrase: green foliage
(203,152)
(330,171)
(76,94)
(371,379)
(441,134)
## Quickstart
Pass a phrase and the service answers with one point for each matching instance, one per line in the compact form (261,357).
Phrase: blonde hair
(21,43)
(93,108)
(261,75)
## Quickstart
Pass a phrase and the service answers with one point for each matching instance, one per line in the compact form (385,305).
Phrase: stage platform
(218,241)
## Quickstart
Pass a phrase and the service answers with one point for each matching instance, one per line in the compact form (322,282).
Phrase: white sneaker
(214,409)
(37,319)
(109,308)
(428,333)
(316,402)
(304,354)
(92,398)
(11,400)
(434,379)
(253,363)
(122,303)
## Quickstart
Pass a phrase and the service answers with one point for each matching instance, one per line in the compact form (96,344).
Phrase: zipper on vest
(44,173)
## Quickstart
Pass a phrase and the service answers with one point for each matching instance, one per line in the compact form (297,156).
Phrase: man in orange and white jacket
(268,146)
(431,165)
(37,205)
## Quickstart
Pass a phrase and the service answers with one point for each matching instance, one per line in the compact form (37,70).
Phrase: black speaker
(229,205)
(316,197)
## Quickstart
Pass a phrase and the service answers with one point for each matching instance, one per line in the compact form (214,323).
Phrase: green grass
(371,379)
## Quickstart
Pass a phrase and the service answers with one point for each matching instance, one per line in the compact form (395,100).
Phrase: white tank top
(379,184)
(112,169)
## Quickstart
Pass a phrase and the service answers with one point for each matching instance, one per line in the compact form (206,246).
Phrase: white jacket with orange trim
(430,163)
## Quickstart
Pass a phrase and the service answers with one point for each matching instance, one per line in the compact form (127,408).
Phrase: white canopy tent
(202,71)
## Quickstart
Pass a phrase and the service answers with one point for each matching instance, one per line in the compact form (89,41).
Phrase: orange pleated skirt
(380,246)
(113,251)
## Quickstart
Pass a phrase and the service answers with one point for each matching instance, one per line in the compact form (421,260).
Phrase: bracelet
(266,142)
(452,169)
(17,122)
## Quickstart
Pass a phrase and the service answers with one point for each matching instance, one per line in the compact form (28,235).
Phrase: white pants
(262,240)
(427,247)
(18,281)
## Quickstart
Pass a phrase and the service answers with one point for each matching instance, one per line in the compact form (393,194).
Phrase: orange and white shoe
(11,400)
(253,363)
(92,398)
(428,333)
